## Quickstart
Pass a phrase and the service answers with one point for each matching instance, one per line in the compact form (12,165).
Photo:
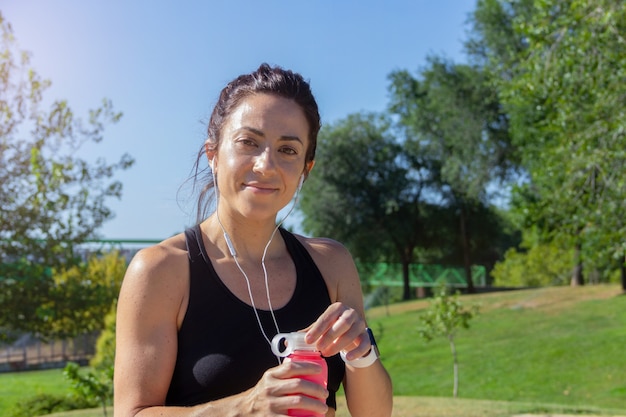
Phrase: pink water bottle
(297,350)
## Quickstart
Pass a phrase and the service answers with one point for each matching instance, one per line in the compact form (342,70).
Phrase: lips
(263,188)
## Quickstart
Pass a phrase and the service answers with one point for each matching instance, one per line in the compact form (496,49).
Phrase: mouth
(260,188)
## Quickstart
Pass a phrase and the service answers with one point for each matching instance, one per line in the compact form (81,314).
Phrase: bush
(42,404)
(92,385)
(538,263)
(105,346)
(541,265)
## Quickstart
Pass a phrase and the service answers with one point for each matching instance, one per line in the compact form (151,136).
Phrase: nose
(264,162)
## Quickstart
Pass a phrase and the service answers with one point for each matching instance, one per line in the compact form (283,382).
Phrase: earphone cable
(267,288)
(265,275)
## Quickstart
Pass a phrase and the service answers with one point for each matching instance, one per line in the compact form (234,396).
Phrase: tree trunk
(577,274)
(455,390)
(104,407)
(623,272)
(406,293)
(467,262)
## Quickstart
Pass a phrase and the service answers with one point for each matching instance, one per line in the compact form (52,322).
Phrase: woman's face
(261,156)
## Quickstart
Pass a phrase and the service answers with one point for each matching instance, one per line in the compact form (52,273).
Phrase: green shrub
(539,263)
(105,345)
(93,385)
(42,404)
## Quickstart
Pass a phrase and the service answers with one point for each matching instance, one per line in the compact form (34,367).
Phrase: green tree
(444,317)
(82,295)
(491,233)
(454,116)
(77,298)
(51,199)
(368,193)
(23,285)
(561,77)
(493,43)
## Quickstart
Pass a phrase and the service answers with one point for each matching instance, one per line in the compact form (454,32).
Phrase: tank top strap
(196,252)
(297,250)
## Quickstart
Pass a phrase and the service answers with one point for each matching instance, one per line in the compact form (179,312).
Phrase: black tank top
(221,351)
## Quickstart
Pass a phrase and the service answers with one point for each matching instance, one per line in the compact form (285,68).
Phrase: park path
(558,415)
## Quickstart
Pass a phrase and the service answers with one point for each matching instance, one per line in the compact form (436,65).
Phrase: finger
(342,333)
(324,321)
(335,321)
(303,402)
(300,386)
(346,341)
(361,347)
(298,378)
(290,369)
(276,392)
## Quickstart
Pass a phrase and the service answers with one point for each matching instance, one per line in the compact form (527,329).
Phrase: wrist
(363,361)
(368,359)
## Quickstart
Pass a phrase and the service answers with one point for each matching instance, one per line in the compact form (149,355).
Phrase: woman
(196,312)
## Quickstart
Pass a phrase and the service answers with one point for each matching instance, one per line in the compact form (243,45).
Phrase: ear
(308,167)
(210,154)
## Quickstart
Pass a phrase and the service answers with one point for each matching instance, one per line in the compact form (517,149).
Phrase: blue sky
(163,63)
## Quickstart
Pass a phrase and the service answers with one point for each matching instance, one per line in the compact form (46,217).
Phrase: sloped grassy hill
(563,345)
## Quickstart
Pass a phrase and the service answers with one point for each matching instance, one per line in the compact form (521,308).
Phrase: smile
(261,188)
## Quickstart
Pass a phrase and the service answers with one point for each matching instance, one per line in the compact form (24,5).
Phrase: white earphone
(301,182)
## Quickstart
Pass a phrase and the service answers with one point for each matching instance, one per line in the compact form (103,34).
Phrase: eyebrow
(260,133)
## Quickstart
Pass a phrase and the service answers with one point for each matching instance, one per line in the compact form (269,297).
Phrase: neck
(249,241)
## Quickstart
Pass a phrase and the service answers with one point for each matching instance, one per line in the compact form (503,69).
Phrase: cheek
(231,161)
(292,172)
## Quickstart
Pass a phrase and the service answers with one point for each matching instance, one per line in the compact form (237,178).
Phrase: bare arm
(342,327)
(152,293)
(151,305)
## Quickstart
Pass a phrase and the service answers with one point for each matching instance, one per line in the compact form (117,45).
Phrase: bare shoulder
(325,249)
(158,273)
(164,255)
(337,267)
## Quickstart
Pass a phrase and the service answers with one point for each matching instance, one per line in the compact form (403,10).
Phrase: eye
(288,150)
(247,142)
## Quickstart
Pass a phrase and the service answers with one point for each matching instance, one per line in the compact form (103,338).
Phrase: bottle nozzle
(291,341)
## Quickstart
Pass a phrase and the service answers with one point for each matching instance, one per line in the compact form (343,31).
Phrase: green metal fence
(420,275)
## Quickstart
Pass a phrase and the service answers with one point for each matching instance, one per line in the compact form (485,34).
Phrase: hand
(280,389)
(340,328)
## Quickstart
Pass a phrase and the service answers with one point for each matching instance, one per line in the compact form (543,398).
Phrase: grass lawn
(540,351)
(552,345)
(17,385)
